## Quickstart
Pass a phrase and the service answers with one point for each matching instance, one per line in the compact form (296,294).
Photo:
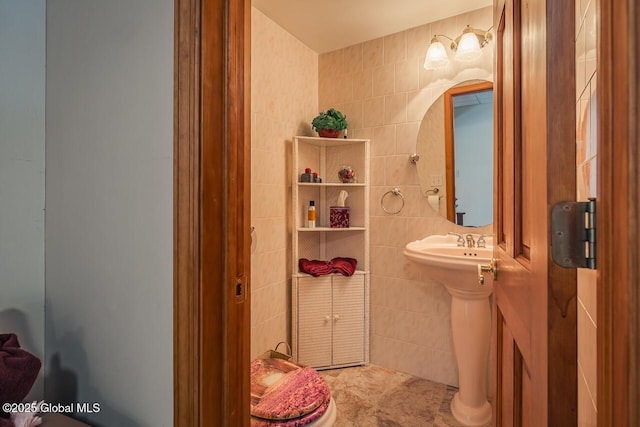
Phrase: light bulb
(436,56)
(468,48)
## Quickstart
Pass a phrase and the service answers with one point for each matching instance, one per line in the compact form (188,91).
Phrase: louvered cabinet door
(314,321)
(348,319)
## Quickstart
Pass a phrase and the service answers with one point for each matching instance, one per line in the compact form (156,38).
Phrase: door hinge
(573,234)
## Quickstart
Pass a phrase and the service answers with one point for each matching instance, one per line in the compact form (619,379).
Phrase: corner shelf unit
(330,314)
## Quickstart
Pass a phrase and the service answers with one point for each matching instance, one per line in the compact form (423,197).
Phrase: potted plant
(329,123)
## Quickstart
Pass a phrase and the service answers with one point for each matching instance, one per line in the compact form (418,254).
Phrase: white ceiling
(326,25)
(464,100)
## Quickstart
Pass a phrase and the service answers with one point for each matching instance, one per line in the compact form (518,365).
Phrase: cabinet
(330,322)
(330,314)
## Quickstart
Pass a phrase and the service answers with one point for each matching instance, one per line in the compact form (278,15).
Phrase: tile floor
(371,396)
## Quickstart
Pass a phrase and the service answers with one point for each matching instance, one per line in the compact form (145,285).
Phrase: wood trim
(237,215)
(500,401)
(449,139)
(618,213)
(605,210)
(519,415)
(498,125)
(211,213)
(507,14)
(634,214)
(186,229)
(562,305)
(449,159)
(514,153)
(214,272)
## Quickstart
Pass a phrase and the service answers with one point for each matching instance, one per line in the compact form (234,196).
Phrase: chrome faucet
(470,242)
(460,240)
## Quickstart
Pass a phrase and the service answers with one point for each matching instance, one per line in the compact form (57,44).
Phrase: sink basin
(456,267)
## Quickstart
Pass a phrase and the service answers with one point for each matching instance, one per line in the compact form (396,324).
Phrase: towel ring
(396,192)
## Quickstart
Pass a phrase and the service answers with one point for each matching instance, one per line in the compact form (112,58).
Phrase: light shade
(436,56)
(468,47)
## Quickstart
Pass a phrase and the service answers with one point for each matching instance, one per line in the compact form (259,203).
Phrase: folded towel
(341,265)
(314,267)
(344,266)
(18,371)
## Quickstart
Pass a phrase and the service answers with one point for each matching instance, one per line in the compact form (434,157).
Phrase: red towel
(344,266)
(18,371)
(314,267)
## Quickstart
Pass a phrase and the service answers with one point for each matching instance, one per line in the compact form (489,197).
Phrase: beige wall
(384,90)
(587,151)
(284,99)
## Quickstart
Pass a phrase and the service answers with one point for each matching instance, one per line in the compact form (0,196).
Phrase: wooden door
(534,300)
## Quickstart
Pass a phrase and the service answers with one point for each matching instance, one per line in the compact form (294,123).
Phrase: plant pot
(329,133)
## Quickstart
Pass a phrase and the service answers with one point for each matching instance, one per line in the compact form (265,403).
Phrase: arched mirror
(455,145)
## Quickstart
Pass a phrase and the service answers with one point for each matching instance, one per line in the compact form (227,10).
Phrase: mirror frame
(449,138)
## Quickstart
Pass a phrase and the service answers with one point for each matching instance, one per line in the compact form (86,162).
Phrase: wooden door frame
(211,212)
(209,373)
(618,213)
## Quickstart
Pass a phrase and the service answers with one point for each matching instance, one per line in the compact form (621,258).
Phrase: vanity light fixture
(468,47)
(436,55)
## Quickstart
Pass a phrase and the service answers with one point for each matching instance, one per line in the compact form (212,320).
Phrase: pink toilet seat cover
(286,394)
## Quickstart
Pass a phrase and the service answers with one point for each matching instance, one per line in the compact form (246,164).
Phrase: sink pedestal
(471,329)
(456,267)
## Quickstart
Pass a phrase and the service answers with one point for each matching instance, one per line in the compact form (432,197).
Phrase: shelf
(332,184)
(330,229)
(355,273)
(315,300)
(330,142)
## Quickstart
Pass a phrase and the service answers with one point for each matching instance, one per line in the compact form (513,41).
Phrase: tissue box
(339,216)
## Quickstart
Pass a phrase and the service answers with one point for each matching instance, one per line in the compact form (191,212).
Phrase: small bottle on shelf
(306,176)
(311,214)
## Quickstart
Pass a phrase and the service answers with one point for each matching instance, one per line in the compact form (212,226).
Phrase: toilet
(286,394)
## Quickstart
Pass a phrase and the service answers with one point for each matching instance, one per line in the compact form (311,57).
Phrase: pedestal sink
(456,267)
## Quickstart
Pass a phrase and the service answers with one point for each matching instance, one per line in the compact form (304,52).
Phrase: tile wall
(384,90)
(284,98)
(381,86)
(586,156)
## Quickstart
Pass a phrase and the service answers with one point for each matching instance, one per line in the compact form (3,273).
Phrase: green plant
(330,119)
